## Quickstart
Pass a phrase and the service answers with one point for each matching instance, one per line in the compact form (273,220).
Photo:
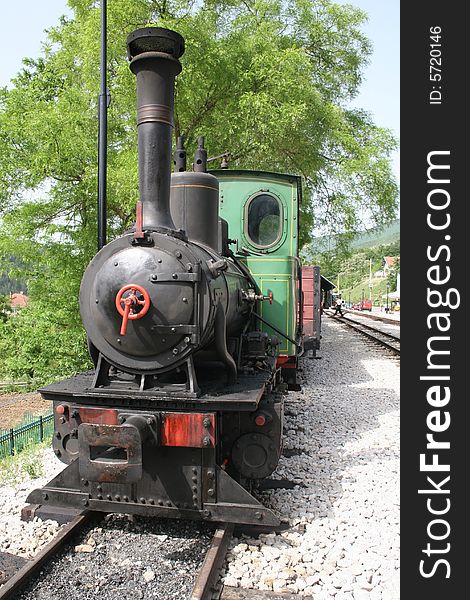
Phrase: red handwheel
(129,299)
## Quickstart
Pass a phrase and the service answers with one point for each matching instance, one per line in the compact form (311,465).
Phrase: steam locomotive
(195,336)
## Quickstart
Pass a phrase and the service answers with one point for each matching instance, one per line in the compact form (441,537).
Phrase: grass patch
(33,429)
(27,464)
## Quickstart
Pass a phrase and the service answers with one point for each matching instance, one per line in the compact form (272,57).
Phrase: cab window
(263,220)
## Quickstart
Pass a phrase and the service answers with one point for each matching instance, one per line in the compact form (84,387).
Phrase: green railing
(34,430)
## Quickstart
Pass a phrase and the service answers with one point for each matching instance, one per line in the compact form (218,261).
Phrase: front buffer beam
(225,501)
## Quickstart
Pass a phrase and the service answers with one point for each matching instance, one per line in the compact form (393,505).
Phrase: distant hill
(377,236)
(10,284)
(7,285)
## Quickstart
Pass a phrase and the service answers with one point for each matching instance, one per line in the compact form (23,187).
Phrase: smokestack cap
(154,39)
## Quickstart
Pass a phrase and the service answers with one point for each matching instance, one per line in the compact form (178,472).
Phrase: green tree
(392,276)
(267,80)
(5,308)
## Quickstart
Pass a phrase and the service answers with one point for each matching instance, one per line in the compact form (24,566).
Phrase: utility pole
(370,279)
(102,132)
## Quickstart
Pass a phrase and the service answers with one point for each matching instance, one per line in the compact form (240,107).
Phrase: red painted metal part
(308,304)
(286,362)
(102,416)
(138,234)
(126,305)
(188,430)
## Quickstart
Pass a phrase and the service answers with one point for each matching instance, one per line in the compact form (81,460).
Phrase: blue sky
(380,91)
(22,29)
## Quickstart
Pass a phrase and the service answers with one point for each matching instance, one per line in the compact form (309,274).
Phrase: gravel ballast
(26,538)
(342,442)
(126,558)
(341,446)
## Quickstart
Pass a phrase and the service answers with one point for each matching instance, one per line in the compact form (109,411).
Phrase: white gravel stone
(344,514)
(148,576)
(84,548)
(26,538)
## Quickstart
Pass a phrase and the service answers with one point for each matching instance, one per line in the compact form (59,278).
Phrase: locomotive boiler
(182,414)
(154,297)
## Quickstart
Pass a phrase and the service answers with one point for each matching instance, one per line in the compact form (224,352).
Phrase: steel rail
(359,328)
(204,585)
(385,333)
(374,317)
(13,586)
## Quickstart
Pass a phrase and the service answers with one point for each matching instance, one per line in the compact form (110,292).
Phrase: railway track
(205,586)
(27,572)
(386,340)
(373,317)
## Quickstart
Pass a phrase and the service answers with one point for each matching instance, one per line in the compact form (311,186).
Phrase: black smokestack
(154,54)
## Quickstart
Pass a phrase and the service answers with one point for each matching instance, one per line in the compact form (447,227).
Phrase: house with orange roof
(18,300)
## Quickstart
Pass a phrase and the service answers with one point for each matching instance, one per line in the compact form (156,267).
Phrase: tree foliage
(393,274)
(267,80)
(5,308)
(353,267)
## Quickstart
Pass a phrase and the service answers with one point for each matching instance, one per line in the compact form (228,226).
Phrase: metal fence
(33,430)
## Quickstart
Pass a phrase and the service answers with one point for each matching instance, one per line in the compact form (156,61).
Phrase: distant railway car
(311,305)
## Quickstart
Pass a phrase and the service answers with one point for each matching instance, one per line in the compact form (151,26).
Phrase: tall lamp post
(386,309)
